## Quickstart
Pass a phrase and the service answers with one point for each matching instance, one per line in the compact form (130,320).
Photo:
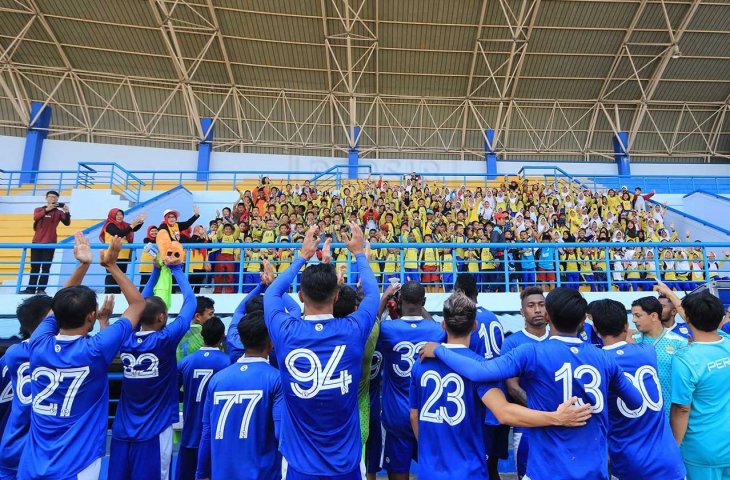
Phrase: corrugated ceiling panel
(575,41)
(692,91)
(268,27)
(111,11)
(558,88)
(571,14)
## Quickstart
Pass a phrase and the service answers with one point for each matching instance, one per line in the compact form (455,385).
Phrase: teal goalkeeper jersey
(701,377)
(666,346)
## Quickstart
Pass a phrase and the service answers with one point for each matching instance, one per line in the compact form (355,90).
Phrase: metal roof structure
(555,79)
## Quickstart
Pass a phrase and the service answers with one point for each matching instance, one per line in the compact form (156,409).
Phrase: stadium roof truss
(421,78)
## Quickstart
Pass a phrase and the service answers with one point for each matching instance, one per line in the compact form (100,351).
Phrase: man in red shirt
(45,222)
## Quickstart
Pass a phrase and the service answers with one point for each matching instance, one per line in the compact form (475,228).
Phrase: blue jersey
(640,441)
(70,391)
(517,339)
(376,382)
(149,400)
(553,371)
(450,413)
(487,339)
(194,372)
(17,363)
(681,329)
(233,341)
(240,423)
(589,334)
(399,342)
(320,357)
(6,394)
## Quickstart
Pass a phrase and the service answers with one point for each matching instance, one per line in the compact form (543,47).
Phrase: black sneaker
(28,291)
(40,291)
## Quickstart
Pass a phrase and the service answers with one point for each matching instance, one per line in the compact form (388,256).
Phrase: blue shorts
(147,460)
(374,445)
(292,474)
(187,463)
(398,453)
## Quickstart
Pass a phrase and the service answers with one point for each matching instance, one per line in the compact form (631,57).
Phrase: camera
(60,204)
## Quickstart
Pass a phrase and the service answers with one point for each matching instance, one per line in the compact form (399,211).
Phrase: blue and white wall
(65,155)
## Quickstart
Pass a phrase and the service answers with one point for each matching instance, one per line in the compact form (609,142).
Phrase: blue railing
(602,266)
(331,179)
(44,180)
(158,179)
(647,183)
(117,177)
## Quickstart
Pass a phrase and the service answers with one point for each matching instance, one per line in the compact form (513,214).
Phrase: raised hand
(310,243)
(171,260)
(196,210)
(106,310)
(569,414)
(327,251)
(108,257)
(82,251)
(268,275)
(356,239)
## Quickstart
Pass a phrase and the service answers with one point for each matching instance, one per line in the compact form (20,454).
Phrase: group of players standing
(307,419)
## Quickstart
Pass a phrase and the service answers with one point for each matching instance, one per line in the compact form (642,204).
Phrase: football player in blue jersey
(399,342)
(640,441)
(320,357)
(447,410)
(242,413)
(532,300)
(554,371)
(194,373)
(486,341)
(30,313)
(701,391)
(70,386)
(141,445)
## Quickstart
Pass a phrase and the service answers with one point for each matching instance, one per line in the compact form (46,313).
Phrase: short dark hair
(567,309)
(467,283)
(346,302)
(153,306)
(204,303)
(531,291)
(31,312)
(213,331)
(412,293)
(704,311)
(255,304)
(460,312)
(649,305)
(71,305)
(609,317)
(52,192)
(252,330)
(319,282)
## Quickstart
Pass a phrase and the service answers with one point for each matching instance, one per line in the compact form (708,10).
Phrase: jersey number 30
(321,378)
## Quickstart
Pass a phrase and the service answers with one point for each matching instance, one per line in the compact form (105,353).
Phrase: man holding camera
(45,222)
